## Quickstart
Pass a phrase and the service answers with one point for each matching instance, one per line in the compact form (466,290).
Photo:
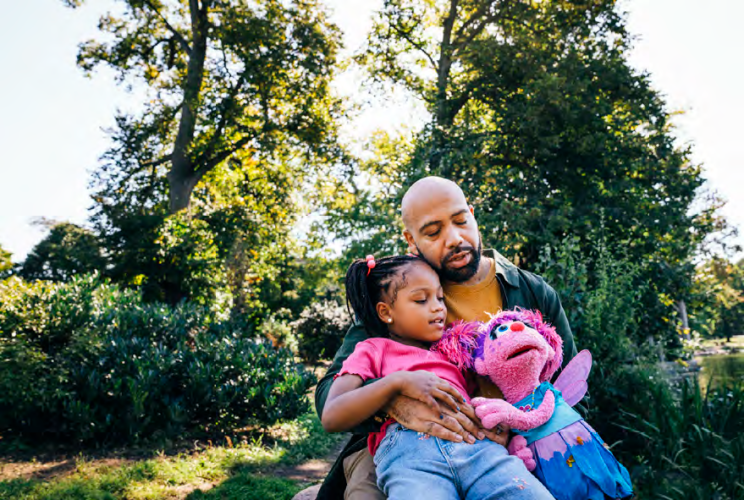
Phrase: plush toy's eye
(528,325)
(498,331)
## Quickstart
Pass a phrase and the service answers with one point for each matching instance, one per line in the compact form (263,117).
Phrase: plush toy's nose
(517,326)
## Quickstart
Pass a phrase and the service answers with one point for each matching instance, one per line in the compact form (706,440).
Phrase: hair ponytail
(365,286)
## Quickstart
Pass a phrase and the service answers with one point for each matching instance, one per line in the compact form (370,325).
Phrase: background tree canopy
(228,207)
(538,116)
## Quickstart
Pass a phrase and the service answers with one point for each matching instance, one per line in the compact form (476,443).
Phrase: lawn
(245,471)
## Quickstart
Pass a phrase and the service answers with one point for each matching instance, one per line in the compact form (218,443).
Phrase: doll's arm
(495,411)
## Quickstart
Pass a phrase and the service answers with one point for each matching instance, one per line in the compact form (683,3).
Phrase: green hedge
(320,330)
(87,362)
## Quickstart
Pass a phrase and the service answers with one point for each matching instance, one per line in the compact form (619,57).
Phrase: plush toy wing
(572,380)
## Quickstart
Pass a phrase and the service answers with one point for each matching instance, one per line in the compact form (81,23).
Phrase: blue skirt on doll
(571,459)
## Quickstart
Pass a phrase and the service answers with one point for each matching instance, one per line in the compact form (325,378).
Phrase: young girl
(400,302)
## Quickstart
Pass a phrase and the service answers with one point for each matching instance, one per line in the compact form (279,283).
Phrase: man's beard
(461,274)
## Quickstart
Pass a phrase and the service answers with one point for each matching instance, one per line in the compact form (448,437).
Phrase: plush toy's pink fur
(516,360)
(520,358)
(459,342)
(535,319)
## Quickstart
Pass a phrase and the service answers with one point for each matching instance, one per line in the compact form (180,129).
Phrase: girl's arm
(349,402)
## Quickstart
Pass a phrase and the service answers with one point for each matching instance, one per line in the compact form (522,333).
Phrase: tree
(68,250)
(6,265)
(537,114)
(239,119)
(225,77)
(717,298)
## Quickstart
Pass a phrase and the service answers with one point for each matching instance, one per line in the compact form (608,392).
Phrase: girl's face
(416,315)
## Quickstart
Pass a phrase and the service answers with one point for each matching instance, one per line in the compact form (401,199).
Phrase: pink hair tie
(370,263)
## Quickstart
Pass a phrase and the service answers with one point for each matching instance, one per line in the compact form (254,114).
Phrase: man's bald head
(422,192)
(440,228)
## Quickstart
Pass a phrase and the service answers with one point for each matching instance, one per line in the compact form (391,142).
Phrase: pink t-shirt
(378,357)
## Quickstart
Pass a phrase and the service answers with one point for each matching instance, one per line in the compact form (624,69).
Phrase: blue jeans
(413,466)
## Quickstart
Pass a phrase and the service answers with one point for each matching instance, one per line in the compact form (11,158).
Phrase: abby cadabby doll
(520,352)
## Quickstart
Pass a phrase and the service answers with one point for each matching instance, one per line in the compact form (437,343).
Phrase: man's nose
(454,239)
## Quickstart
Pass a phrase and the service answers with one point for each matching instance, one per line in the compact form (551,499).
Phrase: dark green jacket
(518,288)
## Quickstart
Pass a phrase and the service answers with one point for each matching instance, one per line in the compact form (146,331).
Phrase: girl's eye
(420,301)
(441,299)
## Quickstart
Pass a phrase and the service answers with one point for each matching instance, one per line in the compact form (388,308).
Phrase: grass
(225,472)
(736,344)
(691,446)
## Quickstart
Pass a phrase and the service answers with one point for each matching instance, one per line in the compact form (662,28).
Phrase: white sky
(51,117)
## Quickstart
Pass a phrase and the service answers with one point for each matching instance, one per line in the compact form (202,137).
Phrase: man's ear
(411,243)
(384,312)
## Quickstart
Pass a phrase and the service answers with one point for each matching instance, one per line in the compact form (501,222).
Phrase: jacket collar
(504,267)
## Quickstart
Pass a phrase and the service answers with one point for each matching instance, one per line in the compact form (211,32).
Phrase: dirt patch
(52,469)
(312,471)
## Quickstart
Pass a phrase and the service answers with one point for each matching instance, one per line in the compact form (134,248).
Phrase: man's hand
(449,425)
(499,434)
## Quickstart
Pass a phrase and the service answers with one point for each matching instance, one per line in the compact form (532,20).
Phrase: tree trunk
(183,176)
(442,120)
(681,308)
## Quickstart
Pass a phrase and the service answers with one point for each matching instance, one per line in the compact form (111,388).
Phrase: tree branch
(222,155)
(226,106)
(155,163)
(418,46)
(177,34)
(476,15)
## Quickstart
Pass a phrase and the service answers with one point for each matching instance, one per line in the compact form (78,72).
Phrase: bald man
(440,227)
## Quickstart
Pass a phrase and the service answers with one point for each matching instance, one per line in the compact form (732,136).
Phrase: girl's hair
(365,288)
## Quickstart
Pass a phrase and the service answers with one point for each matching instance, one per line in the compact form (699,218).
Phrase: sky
(53,118)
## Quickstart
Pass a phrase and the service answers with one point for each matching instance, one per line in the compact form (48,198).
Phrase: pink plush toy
(520,353)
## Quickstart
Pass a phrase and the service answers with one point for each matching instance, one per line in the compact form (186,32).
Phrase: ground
(272,465)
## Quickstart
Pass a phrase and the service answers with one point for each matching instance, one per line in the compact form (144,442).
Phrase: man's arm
(550,306)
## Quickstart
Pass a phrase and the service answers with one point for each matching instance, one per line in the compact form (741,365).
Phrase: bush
(676,443)
(320,330)
(690,446)
(87,362)
(279,331)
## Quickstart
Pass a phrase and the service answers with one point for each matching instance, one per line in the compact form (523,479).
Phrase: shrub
(279,331)
(320,330)
(86,362)
(676,443)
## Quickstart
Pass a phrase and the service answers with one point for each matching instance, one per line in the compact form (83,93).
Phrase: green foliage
(537,114)
(68,250)
(228,469)
(278,330)
(690,446)
(717,299)
(320,330)
(87,362)
(189,263)
(6,265)
(676,443)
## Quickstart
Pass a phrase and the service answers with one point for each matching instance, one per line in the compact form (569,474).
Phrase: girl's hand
(428,388)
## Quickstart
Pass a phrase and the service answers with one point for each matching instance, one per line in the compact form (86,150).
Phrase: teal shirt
(563,414)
